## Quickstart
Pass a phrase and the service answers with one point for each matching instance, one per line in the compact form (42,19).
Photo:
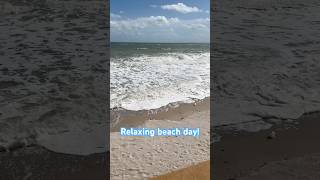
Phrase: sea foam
(153,81)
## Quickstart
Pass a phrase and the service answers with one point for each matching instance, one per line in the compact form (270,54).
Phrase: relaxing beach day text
(195,132)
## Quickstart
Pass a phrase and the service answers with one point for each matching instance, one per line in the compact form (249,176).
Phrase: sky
(171,21)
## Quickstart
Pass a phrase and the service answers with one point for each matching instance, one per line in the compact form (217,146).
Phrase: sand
(292,154)
(36,163)
(304,168)
(265,76)
(199,171)
(146,157)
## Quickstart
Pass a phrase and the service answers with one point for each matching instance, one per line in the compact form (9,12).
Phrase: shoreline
(129,118)
(199,171)
(147,157)
(246,154)
(37,162)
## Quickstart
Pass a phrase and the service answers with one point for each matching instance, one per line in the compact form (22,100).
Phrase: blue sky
(160,20)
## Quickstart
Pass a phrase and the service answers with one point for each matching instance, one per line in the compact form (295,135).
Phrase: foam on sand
(144,157)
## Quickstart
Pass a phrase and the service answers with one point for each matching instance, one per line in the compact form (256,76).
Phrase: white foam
(149,82)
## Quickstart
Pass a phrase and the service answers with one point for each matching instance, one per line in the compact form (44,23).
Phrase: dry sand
(146,157)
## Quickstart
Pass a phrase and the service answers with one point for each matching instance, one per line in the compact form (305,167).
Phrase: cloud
(160,29)
(180,7)
(197,24)
(142,22)
(114,16)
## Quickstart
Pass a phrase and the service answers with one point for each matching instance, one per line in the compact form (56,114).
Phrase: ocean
(146,76)
(53,74)
(265,68)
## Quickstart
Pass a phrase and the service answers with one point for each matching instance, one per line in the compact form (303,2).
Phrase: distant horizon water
(159,42)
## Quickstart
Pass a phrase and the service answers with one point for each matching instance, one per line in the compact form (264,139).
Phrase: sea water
(151,75)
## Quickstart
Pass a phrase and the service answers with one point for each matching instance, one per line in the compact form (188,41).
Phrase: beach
(198,171)
(293,153)
(36,162)
(53,81)
(265,65)
(152,86)
(50,95)
(147,157)
(266,90)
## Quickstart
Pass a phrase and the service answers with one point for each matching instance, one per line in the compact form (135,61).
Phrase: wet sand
(200,171)
(243,155)
(266,78)
(175,111)
(145,157)
(36,163)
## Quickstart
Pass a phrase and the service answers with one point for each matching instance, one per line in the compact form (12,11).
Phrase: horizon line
(158,42)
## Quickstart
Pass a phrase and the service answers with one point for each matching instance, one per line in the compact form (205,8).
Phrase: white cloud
(160,29)
(143,22)
(180,7)
(114,16)
(197,24)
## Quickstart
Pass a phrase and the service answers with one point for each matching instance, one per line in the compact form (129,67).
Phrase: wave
(267,85)
(121,117)
(152,81)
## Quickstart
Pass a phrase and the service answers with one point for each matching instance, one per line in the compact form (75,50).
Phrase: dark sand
(37,163)
(239,155)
